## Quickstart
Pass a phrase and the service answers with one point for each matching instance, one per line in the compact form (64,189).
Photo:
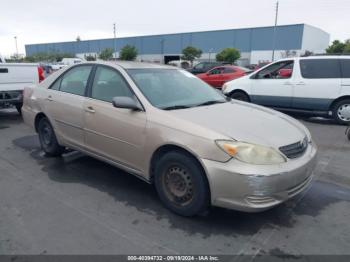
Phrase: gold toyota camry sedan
(169,128)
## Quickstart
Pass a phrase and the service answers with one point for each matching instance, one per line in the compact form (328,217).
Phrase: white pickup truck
(14,77)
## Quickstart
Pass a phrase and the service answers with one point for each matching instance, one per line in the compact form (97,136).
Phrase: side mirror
(127,103)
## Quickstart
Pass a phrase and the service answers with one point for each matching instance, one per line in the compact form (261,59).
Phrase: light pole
(274,33)
(16,47)
(115,41)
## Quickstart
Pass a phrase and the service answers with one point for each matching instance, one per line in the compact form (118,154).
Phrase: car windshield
(174,89)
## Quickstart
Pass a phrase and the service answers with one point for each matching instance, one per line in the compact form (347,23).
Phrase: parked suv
(318,85)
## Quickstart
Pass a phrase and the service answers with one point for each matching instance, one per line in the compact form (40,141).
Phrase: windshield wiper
(175,107)
(211,102)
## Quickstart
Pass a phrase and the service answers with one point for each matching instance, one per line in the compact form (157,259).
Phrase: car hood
(246,122)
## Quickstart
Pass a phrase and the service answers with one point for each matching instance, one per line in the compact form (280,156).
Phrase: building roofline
(179,33)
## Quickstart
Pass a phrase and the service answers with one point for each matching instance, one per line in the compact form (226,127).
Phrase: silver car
(169,128)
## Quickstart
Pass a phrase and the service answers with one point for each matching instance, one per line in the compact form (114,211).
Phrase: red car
(217,76)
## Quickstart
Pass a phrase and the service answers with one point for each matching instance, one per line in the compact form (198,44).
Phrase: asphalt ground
(79,205)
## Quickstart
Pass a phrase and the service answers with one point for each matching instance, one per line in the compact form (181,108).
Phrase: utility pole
(115,41)
(16,48)
(274,32)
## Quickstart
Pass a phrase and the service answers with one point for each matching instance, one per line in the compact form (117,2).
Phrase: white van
(317,85)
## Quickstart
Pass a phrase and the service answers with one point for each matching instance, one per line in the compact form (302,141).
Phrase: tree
(347,47)
(288,53)
(229,55)
(90,58)
(128,53)
(52,56)
(191,53)
(106,54)
(336,47)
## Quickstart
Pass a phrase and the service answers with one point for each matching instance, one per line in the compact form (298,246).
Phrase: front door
(215,77)
(118,134)
(65,104)
(273,85)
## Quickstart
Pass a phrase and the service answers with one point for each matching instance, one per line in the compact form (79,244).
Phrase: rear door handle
(287,83)
(90,109)
(49,98)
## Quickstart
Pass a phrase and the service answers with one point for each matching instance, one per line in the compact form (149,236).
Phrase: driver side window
(108,83)
(216,71)
(280,70)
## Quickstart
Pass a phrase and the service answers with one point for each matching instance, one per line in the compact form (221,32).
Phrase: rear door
(318,84)
(271,88)
(64,103)
(116,133)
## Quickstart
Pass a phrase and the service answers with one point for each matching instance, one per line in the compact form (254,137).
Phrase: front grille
(7,95)
(295,150)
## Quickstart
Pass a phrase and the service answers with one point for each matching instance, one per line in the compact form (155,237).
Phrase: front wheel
(341,111)
(240,96)
(181,184)
(48,139)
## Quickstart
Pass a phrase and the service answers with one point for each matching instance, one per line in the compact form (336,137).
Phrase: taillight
(41,74)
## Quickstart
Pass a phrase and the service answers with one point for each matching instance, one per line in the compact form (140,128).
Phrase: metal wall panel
(287,38)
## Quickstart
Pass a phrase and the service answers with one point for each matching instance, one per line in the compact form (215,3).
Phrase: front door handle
(90,109)
(49,98)
(300,84)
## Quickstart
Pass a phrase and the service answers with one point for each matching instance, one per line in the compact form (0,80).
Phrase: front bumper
(253,188)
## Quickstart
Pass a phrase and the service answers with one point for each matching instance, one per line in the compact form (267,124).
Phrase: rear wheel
(341,111)
(240,96)
(48,138)
(181,184)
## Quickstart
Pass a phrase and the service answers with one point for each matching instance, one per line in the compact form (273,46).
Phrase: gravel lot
(79,205)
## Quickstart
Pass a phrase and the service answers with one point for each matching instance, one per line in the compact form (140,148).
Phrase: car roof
(133,65)
(316,57)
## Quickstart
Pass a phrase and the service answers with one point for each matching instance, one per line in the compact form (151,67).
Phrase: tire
(341,112)
(240,96)
(181,184)
(19,109)
(48,140)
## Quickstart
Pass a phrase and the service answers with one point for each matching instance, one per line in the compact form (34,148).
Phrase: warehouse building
(255,44)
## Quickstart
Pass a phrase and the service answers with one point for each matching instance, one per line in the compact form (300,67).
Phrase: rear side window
(345,64)
(320,68)
(228,70)
(75,80)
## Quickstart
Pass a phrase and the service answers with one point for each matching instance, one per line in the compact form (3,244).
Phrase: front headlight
(250,153)
(224,87)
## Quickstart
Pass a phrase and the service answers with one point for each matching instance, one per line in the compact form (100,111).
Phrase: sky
(34,21)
